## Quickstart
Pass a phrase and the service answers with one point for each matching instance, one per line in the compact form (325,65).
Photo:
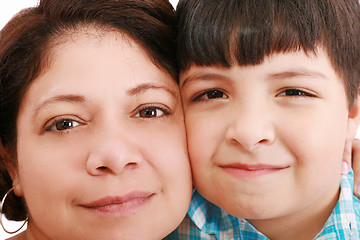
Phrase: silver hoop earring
(1,214)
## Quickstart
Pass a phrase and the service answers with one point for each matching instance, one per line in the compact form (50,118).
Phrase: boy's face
(266,141)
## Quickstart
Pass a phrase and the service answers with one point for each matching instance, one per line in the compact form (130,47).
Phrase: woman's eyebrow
(69,98)
(142,88)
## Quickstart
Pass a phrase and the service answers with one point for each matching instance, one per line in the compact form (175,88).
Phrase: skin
(101,144)
(259,135)
(354,152)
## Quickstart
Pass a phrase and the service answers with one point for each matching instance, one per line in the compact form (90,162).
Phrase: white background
(7,10)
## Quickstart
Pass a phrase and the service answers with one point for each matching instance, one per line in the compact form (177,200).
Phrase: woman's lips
(119,204)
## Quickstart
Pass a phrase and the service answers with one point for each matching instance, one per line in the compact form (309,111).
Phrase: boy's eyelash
(295,92)
(209,94)
(216,93)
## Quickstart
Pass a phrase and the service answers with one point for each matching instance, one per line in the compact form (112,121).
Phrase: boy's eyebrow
(70,98)
(296,73)
(291,73)
(202,76)
(148,86)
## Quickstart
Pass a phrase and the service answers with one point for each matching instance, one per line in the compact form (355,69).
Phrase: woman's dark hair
(228,32)
(27,40)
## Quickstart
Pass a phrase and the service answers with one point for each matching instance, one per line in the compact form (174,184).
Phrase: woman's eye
(296,93)
(62,125)
(152,112)
(210,94)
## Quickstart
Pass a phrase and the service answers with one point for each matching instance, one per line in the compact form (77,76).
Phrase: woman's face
(101,144)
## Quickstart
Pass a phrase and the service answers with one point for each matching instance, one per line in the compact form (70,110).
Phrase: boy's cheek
(201,136)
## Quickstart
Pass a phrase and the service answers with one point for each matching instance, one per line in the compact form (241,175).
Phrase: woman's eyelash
(152,112)
(62,125)
(210,94)
(65,124)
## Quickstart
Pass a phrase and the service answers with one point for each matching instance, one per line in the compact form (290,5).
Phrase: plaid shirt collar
(344,222)
(214,221)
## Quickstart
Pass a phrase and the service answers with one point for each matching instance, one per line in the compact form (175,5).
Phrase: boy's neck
(305,224)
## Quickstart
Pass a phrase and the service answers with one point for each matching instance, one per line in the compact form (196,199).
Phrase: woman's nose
(113,154)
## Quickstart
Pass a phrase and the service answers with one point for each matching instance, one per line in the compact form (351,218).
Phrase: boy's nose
(250,127)
(113,155)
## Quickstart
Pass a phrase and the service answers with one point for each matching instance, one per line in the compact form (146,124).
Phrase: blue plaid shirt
(207,221)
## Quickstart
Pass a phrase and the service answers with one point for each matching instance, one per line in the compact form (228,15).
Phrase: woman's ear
(353,119)
(10,165)
(16,181)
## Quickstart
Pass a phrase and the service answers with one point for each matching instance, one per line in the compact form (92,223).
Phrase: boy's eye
(152,112)
(59,125)
(210,94)
(296,93)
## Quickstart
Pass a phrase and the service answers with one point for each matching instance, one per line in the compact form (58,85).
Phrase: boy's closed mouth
(252,170)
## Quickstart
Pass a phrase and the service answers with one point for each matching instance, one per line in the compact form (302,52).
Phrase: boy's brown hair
(244,32)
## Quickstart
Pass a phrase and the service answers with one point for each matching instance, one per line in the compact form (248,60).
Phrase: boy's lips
(118,204)
(251,170)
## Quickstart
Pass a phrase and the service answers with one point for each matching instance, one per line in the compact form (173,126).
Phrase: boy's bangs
(244,35)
